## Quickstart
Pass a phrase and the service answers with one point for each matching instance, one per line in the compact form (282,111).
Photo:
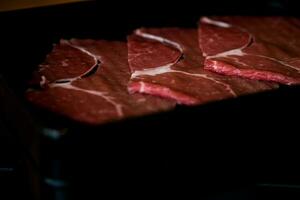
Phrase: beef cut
(86,80)
(167,62)
(262,48)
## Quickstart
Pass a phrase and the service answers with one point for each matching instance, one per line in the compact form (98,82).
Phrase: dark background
(204,151)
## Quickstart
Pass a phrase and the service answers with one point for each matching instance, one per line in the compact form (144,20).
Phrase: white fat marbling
(153,71)
(85,51)
(215,22)
(159,39)
(95,57)
(167,68)
(43,81)
(233,52)
(239,51)
(103,95)
(142,87)
(278,61)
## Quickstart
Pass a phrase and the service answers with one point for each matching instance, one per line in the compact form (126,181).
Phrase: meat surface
(262,48)
(168,63)
(86,80)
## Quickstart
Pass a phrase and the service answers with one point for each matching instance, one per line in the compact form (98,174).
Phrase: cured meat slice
(86,80)
(262,48)
(167,62)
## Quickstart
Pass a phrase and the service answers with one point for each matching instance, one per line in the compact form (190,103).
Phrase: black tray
(189,151)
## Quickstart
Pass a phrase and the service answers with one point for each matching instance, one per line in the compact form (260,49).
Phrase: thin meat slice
(56,67)
(262,48)
(93,97)
(167,62)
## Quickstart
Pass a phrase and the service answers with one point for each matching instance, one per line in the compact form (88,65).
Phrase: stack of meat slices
(86,80)
(100,81)
(261,48)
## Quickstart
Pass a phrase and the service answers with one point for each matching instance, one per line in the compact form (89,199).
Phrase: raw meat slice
(69,88)
(56,67)
(167,62)
(262,48)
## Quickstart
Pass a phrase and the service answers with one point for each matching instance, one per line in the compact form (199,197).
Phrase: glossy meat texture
(86,80)
(167,62)
(262,48)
